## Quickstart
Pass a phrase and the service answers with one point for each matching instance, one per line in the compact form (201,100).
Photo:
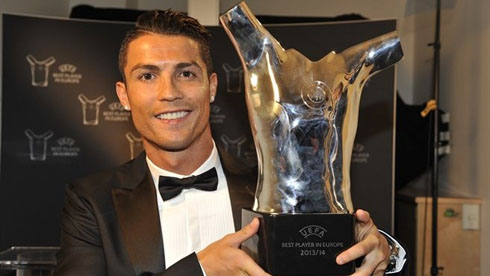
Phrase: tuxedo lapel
(136,208)
(135,203)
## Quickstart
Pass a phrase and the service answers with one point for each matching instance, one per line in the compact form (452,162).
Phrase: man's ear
(213,85)
(122,94)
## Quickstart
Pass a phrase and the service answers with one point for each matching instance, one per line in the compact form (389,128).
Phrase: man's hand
(224,257)
(371,244)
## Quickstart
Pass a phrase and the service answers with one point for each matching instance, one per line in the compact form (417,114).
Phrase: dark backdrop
(61,118)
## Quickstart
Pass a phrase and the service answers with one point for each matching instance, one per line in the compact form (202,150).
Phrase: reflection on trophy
(303,116)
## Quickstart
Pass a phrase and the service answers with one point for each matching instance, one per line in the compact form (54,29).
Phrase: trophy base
(300,244)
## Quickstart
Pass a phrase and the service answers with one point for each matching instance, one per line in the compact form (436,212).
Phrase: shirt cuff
(398,254)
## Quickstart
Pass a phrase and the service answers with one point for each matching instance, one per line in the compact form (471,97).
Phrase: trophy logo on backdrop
(234,78)
(215,115)
(40,70)
(359,154)
(90,109)
(135,144)
(233,146)
(67,74)
(65,147)
(39,150)
(38,144)
(116,113)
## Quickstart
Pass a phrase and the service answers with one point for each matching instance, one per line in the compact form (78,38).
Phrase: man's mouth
(172,115)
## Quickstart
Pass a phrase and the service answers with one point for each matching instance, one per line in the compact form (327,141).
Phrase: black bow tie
(171,187)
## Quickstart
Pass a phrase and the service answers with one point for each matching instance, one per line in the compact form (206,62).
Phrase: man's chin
(174,146)
(169,146)
(176,142)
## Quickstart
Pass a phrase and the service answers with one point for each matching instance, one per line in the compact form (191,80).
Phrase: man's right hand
(224,257)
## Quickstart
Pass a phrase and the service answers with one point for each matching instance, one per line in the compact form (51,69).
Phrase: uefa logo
(313,230)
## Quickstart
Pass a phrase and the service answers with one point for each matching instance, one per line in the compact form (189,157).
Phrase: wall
(465,92)
(465,71)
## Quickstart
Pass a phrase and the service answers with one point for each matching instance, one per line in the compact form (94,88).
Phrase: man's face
(168,91)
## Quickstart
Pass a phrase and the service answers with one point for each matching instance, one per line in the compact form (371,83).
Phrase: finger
(375,262)
(364,225)
(356,251)
(244,234)
(362,216)
(371,266)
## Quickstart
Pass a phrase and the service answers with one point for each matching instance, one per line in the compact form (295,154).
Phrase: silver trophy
(303,116)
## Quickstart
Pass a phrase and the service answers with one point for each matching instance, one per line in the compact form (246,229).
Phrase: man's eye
(147,76)
(187,74)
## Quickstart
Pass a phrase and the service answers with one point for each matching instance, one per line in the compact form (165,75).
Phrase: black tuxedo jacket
(110,222)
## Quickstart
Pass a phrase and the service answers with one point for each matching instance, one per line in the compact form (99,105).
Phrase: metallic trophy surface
(303,116)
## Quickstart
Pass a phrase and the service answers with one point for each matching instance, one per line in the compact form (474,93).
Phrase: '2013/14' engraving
(312,252)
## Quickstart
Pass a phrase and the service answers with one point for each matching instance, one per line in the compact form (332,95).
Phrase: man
(128,221)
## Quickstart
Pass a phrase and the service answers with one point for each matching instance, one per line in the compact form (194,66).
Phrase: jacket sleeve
(399,256)
(82,252)
(188,266)
(81,248)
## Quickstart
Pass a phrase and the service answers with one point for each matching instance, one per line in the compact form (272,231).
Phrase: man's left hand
(370,244)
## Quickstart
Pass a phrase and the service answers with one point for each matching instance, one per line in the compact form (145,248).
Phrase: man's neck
(181,162)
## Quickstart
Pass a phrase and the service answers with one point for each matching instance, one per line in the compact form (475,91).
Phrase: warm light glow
(275,88)
(254,80)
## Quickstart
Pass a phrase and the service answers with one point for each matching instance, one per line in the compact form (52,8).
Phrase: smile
(172,115)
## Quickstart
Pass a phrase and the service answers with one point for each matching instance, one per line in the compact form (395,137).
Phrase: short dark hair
(168,22)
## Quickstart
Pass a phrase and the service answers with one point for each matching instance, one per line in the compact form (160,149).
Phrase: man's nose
(168,90)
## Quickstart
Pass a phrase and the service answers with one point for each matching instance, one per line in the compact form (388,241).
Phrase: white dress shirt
(194,219)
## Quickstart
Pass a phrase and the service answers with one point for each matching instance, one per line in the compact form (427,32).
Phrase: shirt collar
(211,162)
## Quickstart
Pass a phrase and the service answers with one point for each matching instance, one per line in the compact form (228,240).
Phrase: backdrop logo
(135,144)
(65,148)
(65,141)
(116,106)
(215,116)
(38,144)
(90,109)
(359,155)
(116,113)
(233,146)
(40,70)
(215,109)
(312,230)
(66,74)
(358,147)
(234,78)
(67,68)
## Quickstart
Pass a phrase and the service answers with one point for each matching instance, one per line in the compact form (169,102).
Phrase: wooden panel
(458,249)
